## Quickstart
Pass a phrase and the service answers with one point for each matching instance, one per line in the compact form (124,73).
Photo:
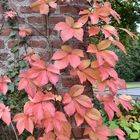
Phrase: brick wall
(38,23)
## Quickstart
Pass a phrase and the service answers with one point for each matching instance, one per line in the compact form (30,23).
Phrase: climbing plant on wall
(54,114)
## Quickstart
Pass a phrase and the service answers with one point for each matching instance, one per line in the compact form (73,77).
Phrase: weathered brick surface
(1,44)
(35,21)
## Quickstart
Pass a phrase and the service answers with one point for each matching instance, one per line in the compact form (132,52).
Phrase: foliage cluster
(47,111)
(129,123)
(128,66)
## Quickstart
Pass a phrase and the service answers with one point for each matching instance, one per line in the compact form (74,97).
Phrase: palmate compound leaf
(81,107)
(31,56)
(39,105)
(109,105)
(113,84)
(67,56)
(69,29)
(119,133)
(37,76)
(64,134)
(27,84)
(125,101)
(105,71)
(54,121)
(103,55)
(34,112)
(101,133)
(43,73)
(100,12)
(85,72)
(75,102)
(102,77)
(24,121)
(92,117)
(43,5)
(107,30)
(112,102)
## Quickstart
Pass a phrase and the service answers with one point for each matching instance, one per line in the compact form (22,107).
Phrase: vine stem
(14,131)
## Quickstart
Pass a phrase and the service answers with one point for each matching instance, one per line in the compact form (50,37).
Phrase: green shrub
(128,122)
(128,66)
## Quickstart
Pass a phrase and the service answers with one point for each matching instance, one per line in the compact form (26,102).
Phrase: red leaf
(79,120)
(119,133)
(5,114)
(109,30)
(54,121)
(130,33)
(50,136)
(70,29)
(27,84)
(3,84)
(101,133)
(75,102)
(94,31)
(125,101)
(110,105)
(119,44)
(24,122)
(70,109)
(43,6)
(72,57)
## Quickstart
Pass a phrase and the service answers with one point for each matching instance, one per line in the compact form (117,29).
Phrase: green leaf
(134,135)
(136,126)
(15,49)
(123,123)
(128,130)
(11,88)
(113,125)
(22,64)
(13,73)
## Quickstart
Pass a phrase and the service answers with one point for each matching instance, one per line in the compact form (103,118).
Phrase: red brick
(35,19)
(26,9)
(1,20)
(45,55)
(11,43)
(68,81)
(42,32)
(66,2)
(21,20)
(77,132)
(57,43)
(5,31)
(1,44)
(83,2)
(38,44)
(53,32)
(1,65)
(55,20)
(38,32)
(69,9)
(1,9)
(3,56)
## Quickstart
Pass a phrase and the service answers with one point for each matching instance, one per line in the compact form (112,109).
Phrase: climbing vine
(55,115)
